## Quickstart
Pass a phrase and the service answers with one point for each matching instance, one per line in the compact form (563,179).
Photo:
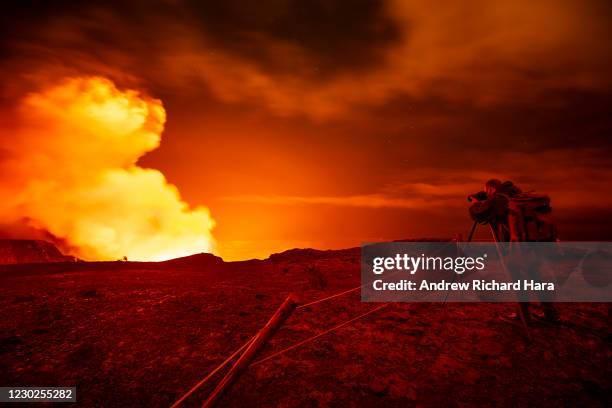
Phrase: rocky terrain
(142,334)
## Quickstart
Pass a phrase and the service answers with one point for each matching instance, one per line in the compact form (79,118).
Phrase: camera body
(479,196)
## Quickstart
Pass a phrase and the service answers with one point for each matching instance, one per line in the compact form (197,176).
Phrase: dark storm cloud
(531,74)
(323,37)
(559,119)
(323,58)
(335,34)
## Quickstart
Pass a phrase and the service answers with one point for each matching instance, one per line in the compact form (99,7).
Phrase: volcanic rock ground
(142,334)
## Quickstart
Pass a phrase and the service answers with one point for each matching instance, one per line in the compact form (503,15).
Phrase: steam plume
(70,168)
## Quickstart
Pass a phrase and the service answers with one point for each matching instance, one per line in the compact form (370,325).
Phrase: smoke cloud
(69,167)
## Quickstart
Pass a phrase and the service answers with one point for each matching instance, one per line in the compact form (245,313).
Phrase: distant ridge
(305,254)
(199,260)
(19,251)
(28,251)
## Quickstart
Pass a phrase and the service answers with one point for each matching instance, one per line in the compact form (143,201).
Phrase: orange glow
(74,174)
(324,125)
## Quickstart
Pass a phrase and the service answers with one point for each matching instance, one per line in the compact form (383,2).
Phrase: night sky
(330,123)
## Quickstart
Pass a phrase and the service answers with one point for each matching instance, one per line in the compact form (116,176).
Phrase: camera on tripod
(479,196)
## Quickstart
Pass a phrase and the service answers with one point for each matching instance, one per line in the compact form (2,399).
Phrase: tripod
(503,264)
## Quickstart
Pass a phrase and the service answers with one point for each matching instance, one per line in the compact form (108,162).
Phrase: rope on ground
(329,297)
(245,345)
(301,343)
(314,302)
(213,372)
(296,345)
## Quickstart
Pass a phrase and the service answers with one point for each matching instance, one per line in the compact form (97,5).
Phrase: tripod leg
(472,231)
(503,264)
